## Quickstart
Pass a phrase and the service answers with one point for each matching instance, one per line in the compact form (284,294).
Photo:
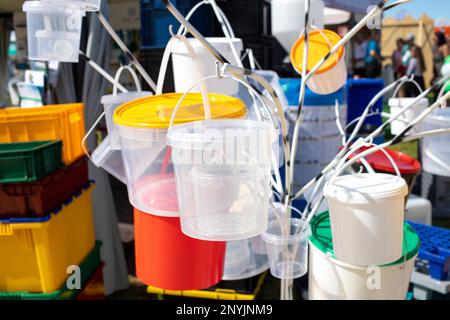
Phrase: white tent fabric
(98,48)
(355,6)
(335,16)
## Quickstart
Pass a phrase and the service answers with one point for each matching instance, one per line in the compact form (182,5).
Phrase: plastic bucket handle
(405,81)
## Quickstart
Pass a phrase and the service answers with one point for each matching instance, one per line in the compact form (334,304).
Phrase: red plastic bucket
(168,259)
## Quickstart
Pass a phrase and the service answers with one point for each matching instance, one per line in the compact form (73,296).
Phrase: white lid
(403,102)
(123,97)
(199,134)
(221,45)
(52,8)
(366,187)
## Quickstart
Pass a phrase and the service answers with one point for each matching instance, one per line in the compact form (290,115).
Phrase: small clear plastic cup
(287,249)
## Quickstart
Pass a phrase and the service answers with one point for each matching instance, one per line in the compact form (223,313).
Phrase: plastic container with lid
(332,279)
(223,170)
(397,104)
(54,30)
(331,76)
(436,149)
(367,215)
(408,166)
(184,69)
(142,126)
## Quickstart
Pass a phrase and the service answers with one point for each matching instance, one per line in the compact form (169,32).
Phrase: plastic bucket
(436,149)
(185,72)
(142,126)
(367,214)
(331,279)
(86,5)
(53,30)
(397,104)
(408,166)
(288,254)
(332,75)
(168,259)
(223,170)
(245,259)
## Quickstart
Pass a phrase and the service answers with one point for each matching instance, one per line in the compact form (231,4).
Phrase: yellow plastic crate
(34,256)
(217,294)
(55,122)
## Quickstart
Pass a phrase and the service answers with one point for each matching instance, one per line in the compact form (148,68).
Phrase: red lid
(378,161)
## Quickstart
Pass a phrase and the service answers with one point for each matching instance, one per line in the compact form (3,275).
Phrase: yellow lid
(317,50)
(156,111)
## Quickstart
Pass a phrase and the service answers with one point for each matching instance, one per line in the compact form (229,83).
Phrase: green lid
(321,238)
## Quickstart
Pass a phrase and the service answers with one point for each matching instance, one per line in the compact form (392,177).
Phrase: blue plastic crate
(155,21)
(359,94)
(434,248)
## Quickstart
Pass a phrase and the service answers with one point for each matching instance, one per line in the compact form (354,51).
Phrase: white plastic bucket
(287,252)
(367,215)
(86,5)
(436,149)
(184,69)
(331,279)
(397,104)
(110,103)
(288,19)
(222,169)
(53,31)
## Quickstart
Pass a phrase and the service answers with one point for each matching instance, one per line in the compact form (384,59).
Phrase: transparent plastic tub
(288,254)
(86,5)
(436,149)
(110,103)
(104,156)
(142,126)
(54,30)
(222,169)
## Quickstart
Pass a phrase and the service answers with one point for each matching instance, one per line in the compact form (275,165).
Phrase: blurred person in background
(416,67)
(440,52)
(397,65)
(359,54)
(373,56)
(406,49)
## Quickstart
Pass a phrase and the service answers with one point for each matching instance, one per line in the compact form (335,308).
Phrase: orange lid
(317,50)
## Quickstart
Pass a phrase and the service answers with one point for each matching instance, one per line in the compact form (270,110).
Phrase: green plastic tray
(29,161)
(87,269)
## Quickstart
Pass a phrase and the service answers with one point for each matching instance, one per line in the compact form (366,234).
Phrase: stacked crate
(46,218)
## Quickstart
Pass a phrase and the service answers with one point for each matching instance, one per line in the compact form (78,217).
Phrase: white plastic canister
(367,215)
(331,279)
(185,71)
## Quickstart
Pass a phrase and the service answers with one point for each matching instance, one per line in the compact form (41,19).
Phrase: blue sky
(436,9)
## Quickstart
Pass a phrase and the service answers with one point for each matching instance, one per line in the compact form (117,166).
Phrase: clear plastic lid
(53,8)
(123,97)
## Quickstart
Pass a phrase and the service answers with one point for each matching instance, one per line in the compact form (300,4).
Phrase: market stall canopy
(335,16)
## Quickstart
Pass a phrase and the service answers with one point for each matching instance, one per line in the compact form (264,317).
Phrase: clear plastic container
(110,103)
(222,169)
(436,149)
(288,254)
(142,126)
(54,30)
(86,5)
(106,157)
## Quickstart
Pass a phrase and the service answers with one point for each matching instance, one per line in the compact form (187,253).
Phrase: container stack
(46,217)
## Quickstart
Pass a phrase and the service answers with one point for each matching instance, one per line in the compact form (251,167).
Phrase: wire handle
(394,95)
(133,74)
